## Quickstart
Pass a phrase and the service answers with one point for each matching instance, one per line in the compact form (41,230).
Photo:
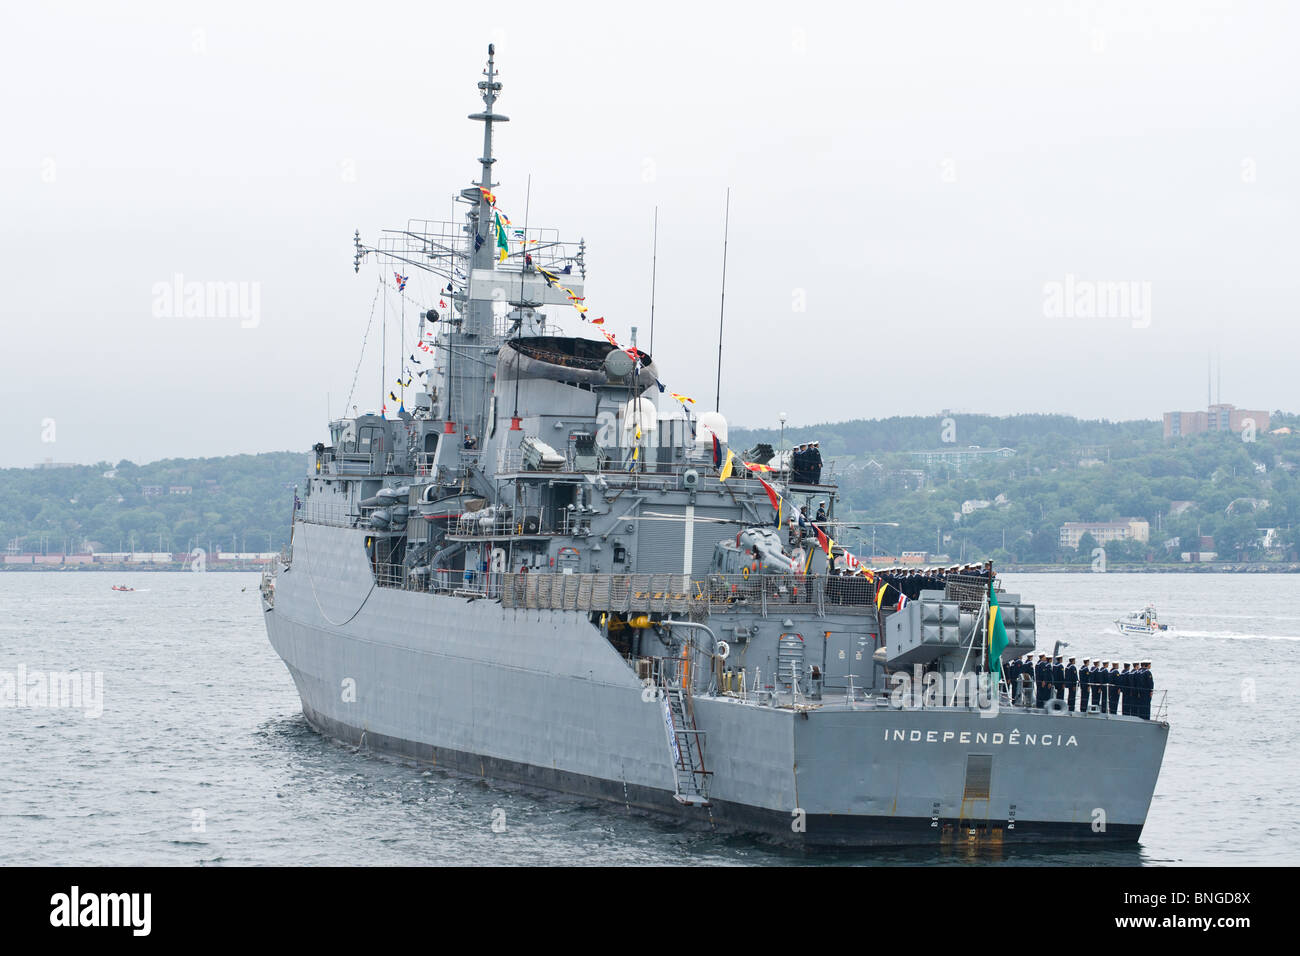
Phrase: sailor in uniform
(1058,677)
(1071,684)
(1112,688)
(1042,681)
(1126,691)
(1011,670)
(1085,688)
(1148,689)
(1100,679)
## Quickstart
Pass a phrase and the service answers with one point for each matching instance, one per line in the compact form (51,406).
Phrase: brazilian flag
(501,238)
(997,637)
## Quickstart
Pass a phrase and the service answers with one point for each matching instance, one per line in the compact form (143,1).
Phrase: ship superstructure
(549,571)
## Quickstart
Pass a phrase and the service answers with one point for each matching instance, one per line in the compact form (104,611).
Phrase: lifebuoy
(744,572)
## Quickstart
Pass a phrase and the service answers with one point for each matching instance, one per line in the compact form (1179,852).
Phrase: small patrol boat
(1141,622)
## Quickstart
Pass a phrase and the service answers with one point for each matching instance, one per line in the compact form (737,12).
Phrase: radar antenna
(489,89)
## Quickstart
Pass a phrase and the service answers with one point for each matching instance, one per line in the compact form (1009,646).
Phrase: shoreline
(121,568)
(1215,567)
(1207,568)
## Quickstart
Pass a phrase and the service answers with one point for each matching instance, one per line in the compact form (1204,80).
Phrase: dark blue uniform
(1085,687)
(1126,692)
(798,466)
(1019,668)
(1112,689)
(1148,690)
(1042,682)
(1058,680)
(1071,684)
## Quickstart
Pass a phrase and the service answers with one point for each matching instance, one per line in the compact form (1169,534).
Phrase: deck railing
(498,524)
(334,514)
(1025,695)
(641,593)
(616,461)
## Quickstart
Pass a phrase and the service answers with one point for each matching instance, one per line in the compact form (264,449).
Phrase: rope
(315,597)
(373,302)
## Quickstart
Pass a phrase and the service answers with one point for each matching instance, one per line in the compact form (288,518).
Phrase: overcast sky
(915,176)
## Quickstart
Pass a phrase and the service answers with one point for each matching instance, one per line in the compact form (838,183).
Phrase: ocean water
(201,755)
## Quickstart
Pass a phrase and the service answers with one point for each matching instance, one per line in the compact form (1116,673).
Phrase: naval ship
(550,572)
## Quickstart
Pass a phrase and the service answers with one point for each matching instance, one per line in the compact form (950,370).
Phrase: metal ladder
(789,661)
(686,749)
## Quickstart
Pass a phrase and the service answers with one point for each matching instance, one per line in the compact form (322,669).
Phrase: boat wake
(1235,636)
(1212,635)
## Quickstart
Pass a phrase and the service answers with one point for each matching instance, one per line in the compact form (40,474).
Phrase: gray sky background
(915,171)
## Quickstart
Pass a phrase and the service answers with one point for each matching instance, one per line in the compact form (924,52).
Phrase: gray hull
(540,698)
(547,570)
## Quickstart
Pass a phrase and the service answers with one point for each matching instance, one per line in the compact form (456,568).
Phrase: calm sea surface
(201,755)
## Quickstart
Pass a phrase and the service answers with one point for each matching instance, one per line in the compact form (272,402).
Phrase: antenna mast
(476,328)
(488,89)
(654,268)
(722,310)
